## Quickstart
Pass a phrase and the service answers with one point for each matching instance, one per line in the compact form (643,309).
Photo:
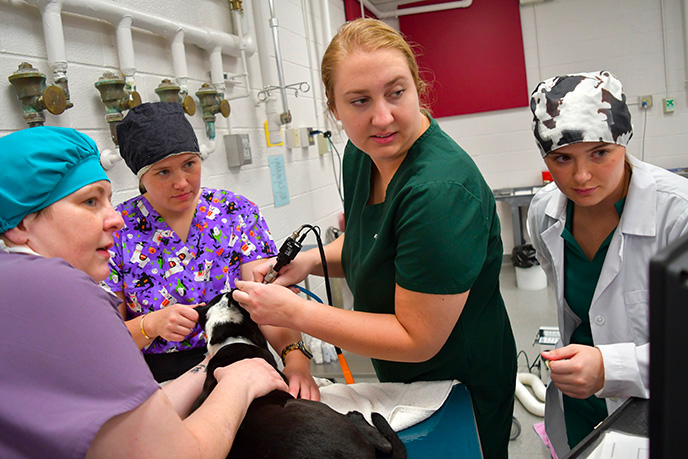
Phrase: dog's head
(225,321)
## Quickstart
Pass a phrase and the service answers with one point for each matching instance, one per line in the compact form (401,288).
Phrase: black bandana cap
(153,131)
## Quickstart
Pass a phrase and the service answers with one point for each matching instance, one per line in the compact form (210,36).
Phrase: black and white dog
(277,425)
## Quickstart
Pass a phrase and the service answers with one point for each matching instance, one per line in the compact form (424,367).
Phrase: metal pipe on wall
(239,30)
(325,9)
(112,13)
(285,117)
(181,71)
(51,19)
(274,130)
(416,10)
(212,41)
(685,38)
(311,48)
(125,51)
(123,18)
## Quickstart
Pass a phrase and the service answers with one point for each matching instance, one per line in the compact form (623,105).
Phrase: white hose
(527,399)
(207,149)
(108,158)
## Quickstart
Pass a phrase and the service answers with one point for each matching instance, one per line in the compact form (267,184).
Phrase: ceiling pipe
(285,117)
(113,13)
(125,51)
(217,77)
(685,38)
(51,18)
(311,49)
(325,10)
(417,9)
(181,71)
(273,125)
(239,30)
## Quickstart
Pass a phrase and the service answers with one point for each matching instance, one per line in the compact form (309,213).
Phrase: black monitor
(669,344)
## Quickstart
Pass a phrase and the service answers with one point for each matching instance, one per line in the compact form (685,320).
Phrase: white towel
(403,405)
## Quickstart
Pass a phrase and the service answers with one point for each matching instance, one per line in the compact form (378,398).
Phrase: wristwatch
(301,346)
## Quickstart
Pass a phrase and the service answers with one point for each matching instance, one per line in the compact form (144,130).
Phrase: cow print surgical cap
(581,107)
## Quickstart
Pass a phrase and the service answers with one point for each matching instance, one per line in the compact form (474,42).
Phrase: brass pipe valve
(170,92)
(35,95)
(116,99)
(212,102)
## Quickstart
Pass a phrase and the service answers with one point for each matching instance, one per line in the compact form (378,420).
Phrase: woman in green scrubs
(421,250)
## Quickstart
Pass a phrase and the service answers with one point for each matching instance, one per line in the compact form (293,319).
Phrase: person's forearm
(183,391)
(379,336)
(134,325)
(208,432)
(217,420)
(137,330)
(280,337)
(333,256)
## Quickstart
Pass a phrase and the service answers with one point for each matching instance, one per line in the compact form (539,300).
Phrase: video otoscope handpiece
(287,253)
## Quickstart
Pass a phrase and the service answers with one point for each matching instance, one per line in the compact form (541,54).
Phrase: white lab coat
(655,214)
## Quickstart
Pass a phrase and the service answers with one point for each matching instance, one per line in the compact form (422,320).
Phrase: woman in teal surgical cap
(73,382)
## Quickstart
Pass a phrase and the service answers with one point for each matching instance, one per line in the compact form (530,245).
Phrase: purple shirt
(68,363)
(155,268)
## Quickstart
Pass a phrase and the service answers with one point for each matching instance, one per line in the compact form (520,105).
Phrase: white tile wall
(560,36)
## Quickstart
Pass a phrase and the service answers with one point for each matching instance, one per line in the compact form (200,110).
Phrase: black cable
(526,356)
(287,253)
(338,181)
(323,260)
(337,177)
(536,363)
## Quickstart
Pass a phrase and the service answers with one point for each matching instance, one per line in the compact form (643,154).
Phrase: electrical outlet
(668,104)
(306,137)
(293,138)
(323,144)
(645,102)
(238,149)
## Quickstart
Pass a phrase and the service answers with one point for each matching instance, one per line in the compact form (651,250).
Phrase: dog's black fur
(277,425)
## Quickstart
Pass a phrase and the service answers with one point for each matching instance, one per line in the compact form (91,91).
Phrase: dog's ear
(234,302)
(202,310)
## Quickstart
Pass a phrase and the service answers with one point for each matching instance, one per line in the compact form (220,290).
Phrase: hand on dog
(267,304)
(576,370)
(173,322)
(298,373)
(257,377)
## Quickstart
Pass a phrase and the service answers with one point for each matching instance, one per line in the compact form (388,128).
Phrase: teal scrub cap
(42,165)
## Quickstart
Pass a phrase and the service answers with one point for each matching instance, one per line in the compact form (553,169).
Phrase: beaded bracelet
(143,332)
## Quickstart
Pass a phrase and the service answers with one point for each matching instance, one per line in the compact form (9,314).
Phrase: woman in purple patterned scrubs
(181,245)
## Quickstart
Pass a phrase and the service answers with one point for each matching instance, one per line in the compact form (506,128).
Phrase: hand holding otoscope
(290,248)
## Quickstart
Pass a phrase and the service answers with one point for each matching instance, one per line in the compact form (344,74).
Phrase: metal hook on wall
(296,87)
(266,92)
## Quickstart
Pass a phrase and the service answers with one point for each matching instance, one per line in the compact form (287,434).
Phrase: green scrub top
(580,280)
(436,232)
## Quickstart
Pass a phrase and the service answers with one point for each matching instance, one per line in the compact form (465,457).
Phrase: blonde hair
(366,35)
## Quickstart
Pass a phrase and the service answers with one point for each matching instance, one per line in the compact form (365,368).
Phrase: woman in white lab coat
(594,230)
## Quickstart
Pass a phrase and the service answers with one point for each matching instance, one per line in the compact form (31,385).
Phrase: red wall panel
(475,55)
(352,10)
